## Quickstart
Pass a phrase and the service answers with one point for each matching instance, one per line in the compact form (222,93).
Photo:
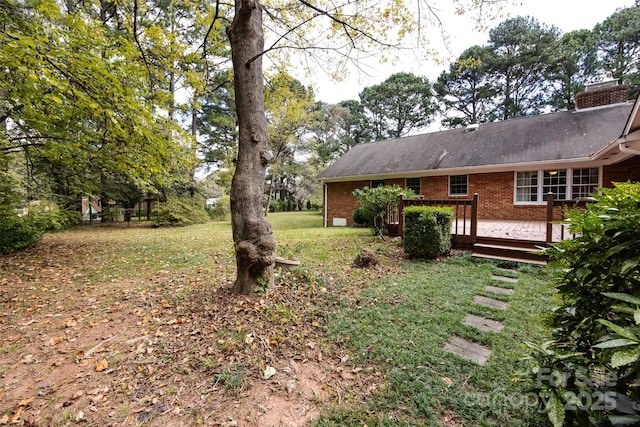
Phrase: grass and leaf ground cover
(115,325)
(398,326)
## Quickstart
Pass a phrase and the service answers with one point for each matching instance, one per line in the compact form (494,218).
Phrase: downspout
(324,207)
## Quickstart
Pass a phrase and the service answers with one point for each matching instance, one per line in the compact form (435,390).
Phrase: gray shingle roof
(564,135)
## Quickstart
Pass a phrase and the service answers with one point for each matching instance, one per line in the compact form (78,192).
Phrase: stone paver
(504,279)
(482,324)
(506,272)
(498,290)
(490,302)
(468,350)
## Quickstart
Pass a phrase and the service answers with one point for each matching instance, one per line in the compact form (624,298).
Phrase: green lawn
(399,325)
(388,324)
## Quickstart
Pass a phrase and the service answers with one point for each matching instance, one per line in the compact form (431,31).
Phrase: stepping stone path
(472,351)
(498,290)
(467,350)
(503,279)
(490,302)
(485,325)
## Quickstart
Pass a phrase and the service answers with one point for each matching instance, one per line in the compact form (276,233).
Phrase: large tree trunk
(252,235)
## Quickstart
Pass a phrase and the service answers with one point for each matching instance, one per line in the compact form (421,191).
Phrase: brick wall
(621,172)
(495,201)
(495,192)
(340,202)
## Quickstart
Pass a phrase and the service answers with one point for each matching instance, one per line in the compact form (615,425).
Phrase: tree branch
(137,40)
(69,77)
(273,46)
(22,147)
(209,30)
(348,27)
(348,30)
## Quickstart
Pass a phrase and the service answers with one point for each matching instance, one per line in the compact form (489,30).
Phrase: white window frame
(540,184)
(597,184)
(458,194)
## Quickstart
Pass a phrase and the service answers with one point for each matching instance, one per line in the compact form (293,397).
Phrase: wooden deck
(499,239)
(520,230)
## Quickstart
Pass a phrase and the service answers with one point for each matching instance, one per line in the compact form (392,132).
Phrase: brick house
(510,164)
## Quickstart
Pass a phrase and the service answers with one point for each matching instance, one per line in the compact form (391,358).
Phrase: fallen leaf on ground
(102,365)
(17,415)
(77,394)
(269,372)
(25,402)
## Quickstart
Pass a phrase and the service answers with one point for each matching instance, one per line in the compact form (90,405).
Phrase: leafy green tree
(335,129)
(522,51)
(618,42)
(357,129)
(79,108)
(215,122)
(289,105)
(399,105)
(329,138)
(211,186)
(464,92)
(573,62)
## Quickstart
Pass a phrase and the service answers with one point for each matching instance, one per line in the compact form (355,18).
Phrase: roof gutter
(507,167)
(624,149)
(632,128)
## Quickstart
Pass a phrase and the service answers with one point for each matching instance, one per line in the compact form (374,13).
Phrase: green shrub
(181,211)
(50,218)
(379,202)
(589,372)
(363,217)
(221,209)
(18,233)
(427,231)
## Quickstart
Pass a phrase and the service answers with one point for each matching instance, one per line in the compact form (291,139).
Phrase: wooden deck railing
(551,217)
(465,217)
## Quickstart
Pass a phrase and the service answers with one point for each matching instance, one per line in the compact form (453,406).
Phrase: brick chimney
(602,93)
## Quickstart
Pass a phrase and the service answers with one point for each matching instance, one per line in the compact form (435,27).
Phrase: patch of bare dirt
(168,349)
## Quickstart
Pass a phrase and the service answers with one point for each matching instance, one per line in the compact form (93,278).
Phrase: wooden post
(401,217)
(474,218)
(549,217)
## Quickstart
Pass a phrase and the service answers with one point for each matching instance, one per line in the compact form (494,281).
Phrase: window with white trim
(555,181)
(527,187)
(532,186)
(585,182)
(413,184)
(458,185)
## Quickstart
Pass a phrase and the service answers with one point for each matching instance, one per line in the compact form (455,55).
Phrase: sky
(567,15)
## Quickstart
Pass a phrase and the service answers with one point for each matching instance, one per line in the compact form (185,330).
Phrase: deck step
(509,258)
(509,250)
